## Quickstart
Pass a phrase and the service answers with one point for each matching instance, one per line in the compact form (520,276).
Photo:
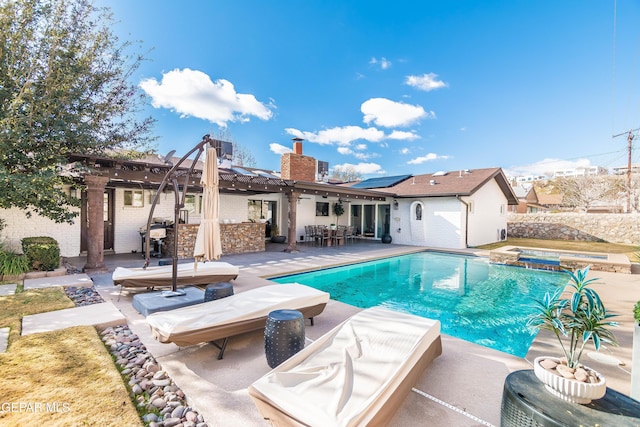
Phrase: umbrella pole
(176,219)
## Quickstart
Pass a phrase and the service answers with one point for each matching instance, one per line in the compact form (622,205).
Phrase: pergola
(148,172)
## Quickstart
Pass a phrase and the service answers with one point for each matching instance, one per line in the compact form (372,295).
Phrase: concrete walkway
(99,315)
(9,289)
(77,280)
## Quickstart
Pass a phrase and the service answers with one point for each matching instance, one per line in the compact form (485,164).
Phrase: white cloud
(387,113)
(361,147)
(426,158)
(404,151)
(192,93)
(402,135)
(547,167)
(279,148)
(382,62)
(358,155)
(339,135)
(362,168)
(426,82)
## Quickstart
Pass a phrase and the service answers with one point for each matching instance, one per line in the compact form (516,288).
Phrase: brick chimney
(297,145)
(297,167)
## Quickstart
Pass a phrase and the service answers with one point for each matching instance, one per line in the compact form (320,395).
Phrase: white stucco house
(444,210)
(456,209)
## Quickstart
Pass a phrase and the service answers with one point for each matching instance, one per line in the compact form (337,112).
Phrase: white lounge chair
(236,314)
(188,274)
(357,374)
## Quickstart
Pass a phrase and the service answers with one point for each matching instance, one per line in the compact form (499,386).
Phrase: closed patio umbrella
(207,245)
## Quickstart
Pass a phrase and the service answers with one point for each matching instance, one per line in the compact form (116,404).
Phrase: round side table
(283,335)
(526,403)
(215,291)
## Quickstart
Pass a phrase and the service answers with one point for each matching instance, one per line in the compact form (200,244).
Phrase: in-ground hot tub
(553,259)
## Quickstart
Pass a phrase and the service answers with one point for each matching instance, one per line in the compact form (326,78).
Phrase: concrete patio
(462,387)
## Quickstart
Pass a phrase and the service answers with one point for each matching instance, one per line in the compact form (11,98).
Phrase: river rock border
(157,397)
(154,392)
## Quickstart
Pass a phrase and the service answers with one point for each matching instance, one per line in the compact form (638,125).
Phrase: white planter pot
(635,363)
(569,389)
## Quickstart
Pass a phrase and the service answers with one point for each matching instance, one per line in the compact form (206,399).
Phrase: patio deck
(462,387)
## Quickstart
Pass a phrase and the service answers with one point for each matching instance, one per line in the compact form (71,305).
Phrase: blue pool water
(474,300)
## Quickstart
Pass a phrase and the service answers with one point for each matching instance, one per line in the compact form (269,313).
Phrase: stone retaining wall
(612,228)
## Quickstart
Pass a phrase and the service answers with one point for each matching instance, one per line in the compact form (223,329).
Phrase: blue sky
(391,88)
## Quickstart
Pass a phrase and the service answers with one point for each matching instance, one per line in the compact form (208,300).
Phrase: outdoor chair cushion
(189,273)
(242,312)
(356,374)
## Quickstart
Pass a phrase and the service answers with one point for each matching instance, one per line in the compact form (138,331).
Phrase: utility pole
(629,150)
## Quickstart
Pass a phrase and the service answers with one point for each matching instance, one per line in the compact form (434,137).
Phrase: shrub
(43,253)
(13,264)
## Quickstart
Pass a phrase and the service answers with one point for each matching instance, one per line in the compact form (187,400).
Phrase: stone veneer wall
(613,228)
(242,238)
(235,238)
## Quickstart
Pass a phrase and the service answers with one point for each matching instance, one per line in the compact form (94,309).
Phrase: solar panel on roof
(243,171)
(386,181)
(266,174)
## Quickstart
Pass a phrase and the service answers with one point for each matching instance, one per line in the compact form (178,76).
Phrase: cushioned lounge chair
(356,374)
(236,314)
(188,274)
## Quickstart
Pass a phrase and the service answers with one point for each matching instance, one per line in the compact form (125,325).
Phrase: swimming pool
(474,300)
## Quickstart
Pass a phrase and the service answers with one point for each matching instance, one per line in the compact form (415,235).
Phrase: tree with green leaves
(64,89)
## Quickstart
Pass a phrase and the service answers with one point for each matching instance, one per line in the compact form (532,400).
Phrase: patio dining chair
(324,235)
(337,235)
(310,233)
(348,235)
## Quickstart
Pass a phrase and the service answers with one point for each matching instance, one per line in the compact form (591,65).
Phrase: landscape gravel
(154,392)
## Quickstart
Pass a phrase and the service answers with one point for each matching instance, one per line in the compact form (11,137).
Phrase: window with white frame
(190,203)
(134,198)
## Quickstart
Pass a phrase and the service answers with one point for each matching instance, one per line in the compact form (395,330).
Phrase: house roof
(549,199)
(150,171)
(448,184)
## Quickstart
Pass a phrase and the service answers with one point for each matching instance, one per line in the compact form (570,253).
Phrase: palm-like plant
(582,317)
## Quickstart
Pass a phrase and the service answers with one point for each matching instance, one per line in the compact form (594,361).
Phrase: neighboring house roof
(550,199)
(521,192)
(448,184)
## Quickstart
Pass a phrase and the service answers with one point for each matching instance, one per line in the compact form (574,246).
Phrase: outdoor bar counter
(236,238)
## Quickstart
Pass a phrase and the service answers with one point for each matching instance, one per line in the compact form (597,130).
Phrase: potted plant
(338,210)
(635,358)
(275,236)
(575,321)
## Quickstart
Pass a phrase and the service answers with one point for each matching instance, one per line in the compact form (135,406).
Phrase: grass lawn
(570,245)
(60,378)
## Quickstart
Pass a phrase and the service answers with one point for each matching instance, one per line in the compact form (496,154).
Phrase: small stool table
(283,335)
(526,402)
(215,291)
